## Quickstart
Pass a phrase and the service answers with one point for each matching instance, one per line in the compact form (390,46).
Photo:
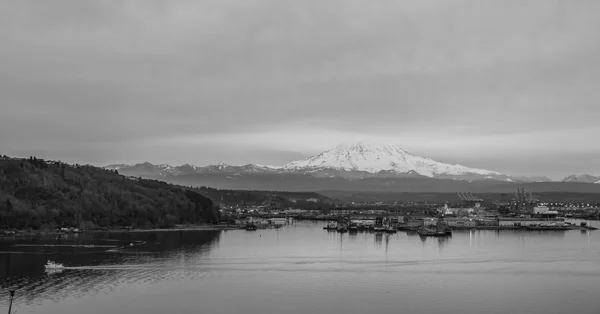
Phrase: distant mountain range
(584,178)
(360,166)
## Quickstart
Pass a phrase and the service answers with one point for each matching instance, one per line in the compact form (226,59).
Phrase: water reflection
(378,239)
(289,269)
(90,268)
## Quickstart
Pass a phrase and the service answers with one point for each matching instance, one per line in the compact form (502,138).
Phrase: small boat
(379,229)
(390,229)
(251,227)
(430,232)
(52,265)
(331,226)
(585,226)
(362,227)
(342,228)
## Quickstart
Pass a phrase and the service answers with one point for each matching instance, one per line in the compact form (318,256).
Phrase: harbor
(524,213)
(300,260)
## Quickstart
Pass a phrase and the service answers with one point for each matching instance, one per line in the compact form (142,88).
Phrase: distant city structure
(469,200)
(525,202)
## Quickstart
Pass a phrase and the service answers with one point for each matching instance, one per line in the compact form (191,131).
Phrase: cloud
(288,77)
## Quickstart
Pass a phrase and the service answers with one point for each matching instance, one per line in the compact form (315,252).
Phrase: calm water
(304,269)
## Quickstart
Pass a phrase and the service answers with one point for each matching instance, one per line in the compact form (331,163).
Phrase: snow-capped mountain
(354,167)
(531,178)
(163,170)
(584,178)
(353,161)
(376,158)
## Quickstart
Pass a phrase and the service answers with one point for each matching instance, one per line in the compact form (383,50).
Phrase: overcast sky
(512,86)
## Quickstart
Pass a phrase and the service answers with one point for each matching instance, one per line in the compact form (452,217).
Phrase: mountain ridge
(583,178)
(346,160)
(374,158)
(352,166)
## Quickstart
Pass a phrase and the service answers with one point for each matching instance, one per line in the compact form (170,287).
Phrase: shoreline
(181,228)
(211,227)
(42,233)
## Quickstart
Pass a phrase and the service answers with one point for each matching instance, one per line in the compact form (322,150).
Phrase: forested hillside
(303,200)
(45,194)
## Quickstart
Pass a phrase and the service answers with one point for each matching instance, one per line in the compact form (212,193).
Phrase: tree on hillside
(65,196)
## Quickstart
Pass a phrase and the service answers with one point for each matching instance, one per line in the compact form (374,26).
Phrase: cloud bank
(503,85)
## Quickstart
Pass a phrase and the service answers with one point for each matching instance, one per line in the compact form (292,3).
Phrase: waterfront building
(460,222)
(521,222)
(544,212)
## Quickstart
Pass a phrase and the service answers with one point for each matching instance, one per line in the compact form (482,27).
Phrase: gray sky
(511,86)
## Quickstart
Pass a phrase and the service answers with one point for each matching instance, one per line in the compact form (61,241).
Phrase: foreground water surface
(304,269)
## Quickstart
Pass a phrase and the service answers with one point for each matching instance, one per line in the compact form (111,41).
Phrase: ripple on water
(302,269)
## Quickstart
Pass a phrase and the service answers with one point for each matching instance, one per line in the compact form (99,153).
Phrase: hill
(303,200)
(299,182)
(35,193)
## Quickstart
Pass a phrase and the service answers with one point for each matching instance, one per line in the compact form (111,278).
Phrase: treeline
(35,193)
(281,199)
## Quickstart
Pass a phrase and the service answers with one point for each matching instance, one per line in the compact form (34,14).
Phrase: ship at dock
(551,227)
(440,229)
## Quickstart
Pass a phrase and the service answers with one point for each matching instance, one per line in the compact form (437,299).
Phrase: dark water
(304,269)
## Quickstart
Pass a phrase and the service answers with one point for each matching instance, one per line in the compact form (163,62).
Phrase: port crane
(525,200)
(469,198)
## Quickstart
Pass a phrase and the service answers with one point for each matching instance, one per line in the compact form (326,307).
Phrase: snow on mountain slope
(118,166)
(374,158)
(354,161)
(583,178)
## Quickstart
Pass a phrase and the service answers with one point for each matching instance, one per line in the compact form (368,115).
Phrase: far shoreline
(49,232)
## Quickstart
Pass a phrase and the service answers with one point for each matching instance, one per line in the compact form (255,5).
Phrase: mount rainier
(354,167)
(352,161)
(388,159)
(351,167)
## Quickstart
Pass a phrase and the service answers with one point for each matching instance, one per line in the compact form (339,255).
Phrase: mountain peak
(370,146)
(375,157)
(583,178)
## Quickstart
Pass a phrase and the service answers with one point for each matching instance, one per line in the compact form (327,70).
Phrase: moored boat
(550,227)
(353,227)
(379,229)
(585,226)
(342,228)
(331,226)
(431,233)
